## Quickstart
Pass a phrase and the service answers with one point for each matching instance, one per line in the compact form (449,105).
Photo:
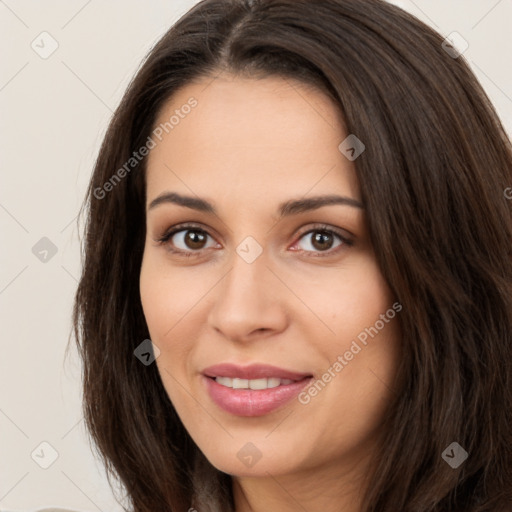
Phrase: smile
(273,382)
(253,390)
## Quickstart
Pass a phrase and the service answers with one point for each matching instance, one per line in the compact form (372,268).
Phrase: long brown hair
(432,179)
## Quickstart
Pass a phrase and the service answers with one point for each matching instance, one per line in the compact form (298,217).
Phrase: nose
(248,302)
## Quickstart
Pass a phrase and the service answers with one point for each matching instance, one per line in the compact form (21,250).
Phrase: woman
(296,291)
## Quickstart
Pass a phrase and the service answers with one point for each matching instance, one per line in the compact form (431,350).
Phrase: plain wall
(54,113)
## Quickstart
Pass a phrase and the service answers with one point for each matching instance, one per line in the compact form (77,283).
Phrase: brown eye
(186,240)
(194,239)
(322,240)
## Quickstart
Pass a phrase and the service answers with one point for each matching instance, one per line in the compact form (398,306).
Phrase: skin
(246,147)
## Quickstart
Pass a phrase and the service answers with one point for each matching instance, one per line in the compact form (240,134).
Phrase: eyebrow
(291,207)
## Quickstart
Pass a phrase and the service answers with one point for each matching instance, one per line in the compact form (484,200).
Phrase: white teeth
(273,382)
(225,381)
(259,384)
(256,384)
(240,383)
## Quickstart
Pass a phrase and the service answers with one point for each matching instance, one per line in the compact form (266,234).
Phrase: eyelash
(164,239)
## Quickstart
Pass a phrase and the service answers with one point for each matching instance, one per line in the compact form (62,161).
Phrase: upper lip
(252,371)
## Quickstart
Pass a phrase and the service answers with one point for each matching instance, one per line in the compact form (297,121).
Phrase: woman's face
(265,279)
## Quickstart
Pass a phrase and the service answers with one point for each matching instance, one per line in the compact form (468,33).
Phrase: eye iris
(195,239)
(321,237)
(322,240)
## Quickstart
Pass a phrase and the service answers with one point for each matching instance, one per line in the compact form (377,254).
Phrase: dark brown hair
(432,179)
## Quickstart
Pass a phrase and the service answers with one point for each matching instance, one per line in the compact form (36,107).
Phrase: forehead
(251,137)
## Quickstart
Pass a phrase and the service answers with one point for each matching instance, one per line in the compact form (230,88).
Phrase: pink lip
(249,402)
(253,371)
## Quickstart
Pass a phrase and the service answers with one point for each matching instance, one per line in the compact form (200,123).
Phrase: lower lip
(250,402)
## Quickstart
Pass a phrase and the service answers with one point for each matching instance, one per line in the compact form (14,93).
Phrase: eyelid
(169,233)
(319,227)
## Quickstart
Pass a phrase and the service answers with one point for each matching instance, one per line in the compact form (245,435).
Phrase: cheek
(347,299)
(357,307)
(163,307)
(168,294)
(173,302)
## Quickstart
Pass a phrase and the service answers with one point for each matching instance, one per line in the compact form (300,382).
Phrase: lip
(253,371)
(250,402)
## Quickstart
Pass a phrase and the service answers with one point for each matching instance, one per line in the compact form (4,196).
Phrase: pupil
(321,238)
(195,239)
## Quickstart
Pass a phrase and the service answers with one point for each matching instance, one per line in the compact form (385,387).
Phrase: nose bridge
(246,299)
(246,283)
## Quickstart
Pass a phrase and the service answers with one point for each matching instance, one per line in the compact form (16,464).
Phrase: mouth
(255,384)
(253,390)
(253,372)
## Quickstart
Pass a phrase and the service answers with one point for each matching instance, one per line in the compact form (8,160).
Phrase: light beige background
(54,113)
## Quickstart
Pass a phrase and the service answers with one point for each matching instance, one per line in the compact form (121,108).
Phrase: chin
(254,459)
